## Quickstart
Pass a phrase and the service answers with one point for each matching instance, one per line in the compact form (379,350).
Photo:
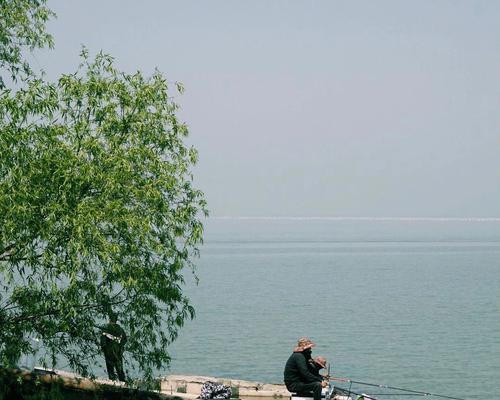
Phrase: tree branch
(56,311)
(6,251)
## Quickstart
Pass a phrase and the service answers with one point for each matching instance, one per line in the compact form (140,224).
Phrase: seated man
(298,376)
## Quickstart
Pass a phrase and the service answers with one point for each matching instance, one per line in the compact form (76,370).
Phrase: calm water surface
(405,303)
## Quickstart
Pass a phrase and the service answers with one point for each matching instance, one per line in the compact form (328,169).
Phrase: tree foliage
(97,212)
(22,27)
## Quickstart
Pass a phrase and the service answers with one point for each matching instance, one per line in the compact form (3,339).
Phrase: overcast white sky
(318,108)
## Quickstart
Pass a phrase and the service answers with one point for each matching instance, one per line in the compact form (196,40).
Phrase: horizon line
(339,218)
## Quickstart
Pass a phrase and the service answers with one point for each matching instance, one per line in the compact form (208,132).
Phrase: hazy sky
(318,108)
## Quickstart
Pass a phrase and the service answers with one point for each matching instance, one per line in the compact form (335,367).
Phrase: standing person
(298,376)
(113,341)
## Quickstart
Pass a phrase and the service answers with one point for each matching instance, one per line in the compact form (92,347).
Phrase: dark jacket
(297,370)
(113,340)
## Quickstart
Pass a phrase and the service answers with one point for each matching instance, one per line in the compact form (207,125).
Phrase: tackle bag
(214,390)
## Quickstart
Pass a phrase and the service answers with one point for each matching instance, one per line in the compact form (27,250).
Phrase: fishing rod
(395,388)
(371,395)
(395,394)
(348,392)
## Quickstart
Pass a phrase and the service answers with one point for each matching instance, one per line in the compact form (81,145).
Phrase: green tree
(22,27)
(97,212)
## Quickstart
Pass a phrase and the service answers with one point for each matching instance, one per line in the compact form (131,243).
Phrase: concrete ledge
(187,386)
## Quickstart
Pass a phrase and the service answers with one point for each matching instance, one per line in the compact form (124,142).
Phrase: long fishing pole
(395,388)
(371,395)
(348,392)
(396,394)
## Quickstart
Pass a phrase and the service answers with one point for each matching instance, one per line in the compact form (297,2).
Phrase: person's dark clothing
(299,378)
(113,339)
(314,387)
(308,355)
(296,370)
(114,366)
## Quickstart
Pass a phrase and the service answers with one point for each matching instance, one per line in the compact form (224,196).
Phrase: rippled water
(405,303)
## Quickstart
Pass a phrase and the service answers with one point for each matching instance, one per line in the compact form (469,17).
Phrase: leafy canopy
(97,213)
(22,26)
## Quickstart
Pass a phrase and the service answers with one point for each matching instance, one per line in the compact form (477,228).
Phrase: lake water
(407,303)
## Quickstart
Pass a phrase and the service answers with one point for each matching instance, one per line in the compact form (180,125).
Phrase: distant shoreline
(375,219)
